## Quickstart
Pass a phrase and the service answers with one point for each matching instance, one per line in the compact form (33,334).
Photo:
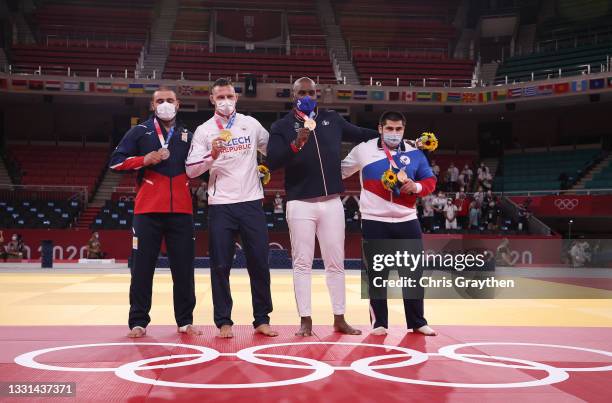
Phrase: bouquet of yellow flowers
(264,174)
(427,141)
(389,180)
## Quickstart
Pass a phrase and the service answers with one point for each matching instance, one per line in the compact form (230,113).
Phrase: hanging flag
(452,97)
(71,86)
(530,91)
(3,83)
(394,95)
(561,88)
(19,84)
(186,90)
(545,89)
(283,93)
(597,84)
(484,97)
(579,86)
(200,90)
(119,87)
(151,88)
(53,85)
(469,97)
(436,96)
(36,85)
(238,89)
(360,95)
(344,94)
(135,88)
(407,96)
(515,93)
(377,95)
(609,82)
(103,87)
(422,96)
(500,95)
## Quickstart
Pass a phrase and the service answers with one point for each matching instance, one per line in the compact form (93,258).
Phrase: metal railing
(553,73)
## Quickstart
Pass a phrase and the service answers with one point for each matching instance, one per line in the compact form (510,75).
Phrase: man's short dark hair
(392,116)
(221,82)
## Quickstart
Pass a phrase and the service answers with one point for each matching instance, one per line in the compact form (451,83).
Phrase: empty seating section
(191,30)
(409,40)
(269,68)
(602,179)
(571,61)
(38,213)
(541,170)
(83,60)
(94,20)
(305,33)
(60,165)
(301,5)
(578,34)
(93,38)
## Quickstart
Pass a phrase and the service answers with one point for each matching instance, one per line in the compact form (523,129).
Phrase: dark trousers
(413,308)
(177,230)
(249,220)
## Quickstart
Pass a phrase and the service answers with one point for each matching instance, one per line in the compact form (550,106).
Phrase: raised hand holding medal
(164,152)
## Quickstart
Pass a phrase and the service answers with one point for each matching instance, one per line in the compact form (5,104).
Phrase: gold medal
(310,124)
(164,152)
(225,135)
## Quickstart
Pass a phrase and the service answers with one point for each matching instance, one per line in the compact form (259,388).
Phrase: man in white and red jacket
(386,214)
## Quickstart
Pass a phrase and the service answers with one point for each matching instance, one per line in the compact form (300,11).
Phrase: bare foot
(190,330)
(426,330)
(379,331)
(341,326)
(137,332)
(305,327)
(225,332)
(266,330)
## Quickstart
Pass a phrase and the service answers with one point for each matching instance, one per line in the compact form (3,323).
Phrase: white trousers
(322,217)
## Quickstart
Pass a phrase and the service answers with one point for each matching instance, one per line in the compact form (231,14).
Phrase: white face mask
(226,106)
(165,111)
(392,139)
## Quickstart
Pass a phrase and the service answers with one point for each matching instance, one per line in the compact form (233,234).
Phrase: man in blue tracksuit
(157,149)
(307,143)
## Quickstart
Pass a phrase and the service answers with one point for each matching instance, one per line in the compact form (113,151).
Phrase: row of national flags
(483,95)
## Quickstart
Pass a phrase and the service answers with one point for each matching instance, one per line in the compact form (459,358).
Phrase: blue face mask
(306,104)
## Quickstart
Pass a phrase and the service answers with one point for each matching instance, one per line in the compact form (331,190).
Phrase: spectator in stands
(2,247)
(462,203)
(234,204)
(482,169)
(580,253)
(15,248)
(435,169)
(474,222)
(391,217)
(450,215)
(157,149)
(278,204)
(94,247)
(313,183)
(439,202)
(523,219)
(453,177)
(479,196)
(202,194)
(492,214)
(468,174)
(428,212)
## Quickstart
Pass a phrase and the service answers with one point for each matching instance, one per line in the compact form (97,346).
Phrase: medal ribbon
(160,135)
(388,153)
(303,116)
(230,122)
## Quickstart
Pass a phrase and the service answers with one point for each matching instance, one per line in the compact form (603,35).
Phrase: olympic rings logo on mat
(321,369)
(566,204)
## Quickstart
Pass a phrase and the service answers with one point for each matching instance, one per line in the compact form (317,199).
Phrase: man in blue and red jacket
(158,148)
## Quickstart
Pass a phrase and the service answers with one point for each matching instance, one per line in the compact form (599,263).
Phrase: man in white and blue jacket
(307,143)
(388,215)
